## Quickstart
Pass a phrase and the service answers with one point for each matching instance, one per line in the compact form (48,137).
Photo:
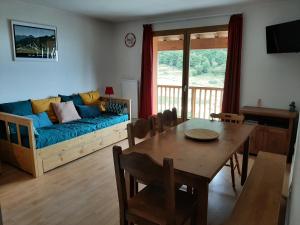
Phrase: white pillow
(65,111)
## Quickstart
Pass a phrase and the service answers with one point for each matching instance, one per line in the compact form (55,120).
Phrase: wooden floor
(84,193)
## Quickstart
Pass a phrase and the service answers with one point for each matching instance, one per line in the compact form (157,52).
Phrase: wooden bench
(259,201)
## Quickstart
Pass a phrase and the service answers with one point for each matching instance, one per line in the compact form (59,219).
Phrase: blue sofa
(33,150)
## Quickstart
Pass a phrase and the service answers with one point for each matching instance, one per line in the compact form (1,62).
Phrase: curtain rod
(191,18)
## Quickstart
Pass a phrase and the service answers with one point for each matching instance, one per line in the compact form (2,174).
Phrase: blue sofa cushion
(75,98)
(40,120)
(66,131)
(24,139)
(105,120)
(23,131)
(88,111)
(20,108)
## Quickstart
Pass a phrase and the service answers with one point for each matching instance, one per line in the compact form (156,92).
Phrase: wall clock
(130,40)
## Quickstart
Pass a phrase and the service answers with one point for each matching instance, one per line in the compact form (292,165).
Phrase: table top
(195,158)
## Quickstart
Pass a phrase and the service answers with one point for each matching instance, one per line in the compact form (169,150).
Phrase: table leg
(245,161)
(202,201)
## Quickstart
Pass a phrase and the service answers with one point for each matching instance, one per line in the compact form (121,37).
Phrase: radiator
(130,89)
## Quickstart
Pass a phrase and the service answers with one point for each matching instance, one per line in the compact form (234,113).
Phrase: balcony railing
(202,101)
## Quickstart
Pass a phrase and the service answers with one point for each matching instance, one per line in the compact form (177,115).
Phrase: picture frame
(34,42)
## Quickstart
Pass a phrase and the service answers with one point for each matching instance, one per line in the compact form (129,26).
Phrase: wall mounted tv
(283,38)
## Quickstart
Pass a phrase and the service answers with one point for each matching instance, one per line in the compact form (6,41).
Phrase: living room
(99,53)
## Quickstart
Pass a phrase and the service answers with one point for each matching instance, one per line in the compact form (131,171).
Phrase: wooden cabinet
(276,140)
(274,131)
(257,140)
(269,139)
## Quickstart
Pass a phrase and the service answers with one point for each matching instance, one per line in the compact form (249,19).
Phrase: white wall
(93,54)
(275,78)
(84,47)
(126,61)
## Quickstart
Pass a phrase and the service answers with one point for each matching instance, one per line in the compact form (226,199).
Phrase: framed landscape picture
(34,42)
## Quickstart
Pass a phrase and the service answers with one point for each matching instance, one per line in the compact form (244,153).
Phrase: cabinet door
(258,140)
(276,140)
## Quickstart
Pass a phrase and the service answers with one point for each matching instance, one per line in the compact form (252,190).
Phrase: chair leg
(232,172)
(237,163)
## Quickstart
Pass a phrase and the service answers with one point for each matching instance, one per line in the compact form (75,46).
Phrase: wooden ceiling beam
(207,43)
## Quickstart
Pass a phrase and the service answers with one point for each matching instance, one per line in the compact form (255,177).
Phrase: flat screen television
(283,38)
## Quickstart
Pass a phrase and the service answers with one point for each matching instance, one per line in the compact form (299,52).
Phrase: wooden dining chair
(159,202)
(167,119)
(140,129)
(237,119)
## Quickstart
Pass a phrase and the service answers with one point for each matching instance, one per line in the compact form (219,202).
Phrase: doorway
(189,69)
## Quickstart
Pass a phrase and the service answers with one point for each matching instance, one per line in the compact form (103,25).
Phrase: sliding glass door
(207,64)
(189,69)
(168,72)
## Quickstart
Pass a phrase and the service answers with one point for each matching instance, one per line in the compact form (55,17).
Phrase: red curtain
(146,97)
(231,96)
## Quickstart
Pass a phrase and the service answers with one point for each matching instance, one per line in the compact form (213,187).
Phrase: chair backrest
(167,119)
(140,129)
(142,167)
(228,117)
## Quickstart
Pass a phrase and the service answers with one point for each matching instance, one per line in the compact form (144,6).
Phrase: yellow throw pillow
(90,98)
(44,105)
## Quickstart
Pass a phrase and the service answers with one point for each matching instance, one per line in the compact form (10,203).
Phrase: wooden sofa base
(50,157)
(18,156)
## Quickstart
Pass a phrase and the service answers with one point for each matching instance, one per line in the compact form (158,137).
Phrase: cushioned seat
(105,120)
(61,132)
(66,131)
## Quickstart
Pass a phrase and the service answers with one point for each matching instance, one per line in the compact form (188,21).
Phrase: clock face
(130,40)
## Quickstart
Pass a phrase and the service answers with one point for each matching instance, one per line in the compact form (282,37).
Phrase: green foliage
(171,58)
(201,61)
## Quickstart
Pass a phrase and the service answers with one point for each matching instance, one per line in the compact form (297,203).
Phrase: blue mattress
(66,131)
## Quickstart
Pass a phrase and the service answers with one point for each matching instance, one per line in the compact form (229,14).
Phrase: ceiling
(123,10)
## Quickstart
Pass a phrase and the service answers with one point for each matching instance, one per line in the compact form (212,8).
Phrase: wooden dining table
(196,163)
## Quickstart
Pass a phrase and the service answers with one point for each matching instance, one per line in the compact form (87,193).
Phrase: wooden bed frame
(38,161)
